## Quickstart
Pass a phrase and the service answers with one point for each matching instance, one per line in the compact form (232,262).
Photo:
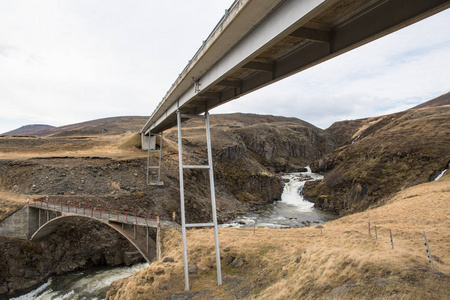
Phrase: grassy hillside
(346,262)
(385,155)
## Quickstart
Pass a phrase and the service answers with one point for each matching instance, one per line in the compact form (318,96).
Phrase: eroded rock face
(78,244)
(384,155)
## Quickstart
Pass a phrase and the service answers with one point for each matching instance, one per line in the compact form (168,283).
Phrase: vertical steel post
(160,154)
(183,217)
(147,239)
(148,158)
(213,199)
(158,243)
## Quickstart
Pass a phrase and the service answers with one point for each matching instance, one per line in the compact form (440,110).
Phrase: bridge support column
(152,149)
(34,220)
(213,196)
(158,244)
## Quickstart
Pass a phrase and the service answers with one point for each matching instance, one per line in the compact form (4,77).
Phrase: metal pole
(148,158)
(147,239)
(213,199)
(160,154)
(183,217)
(428,250)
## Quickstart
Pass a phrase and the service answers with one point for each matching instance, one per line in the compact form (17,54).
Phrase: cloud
(63,62)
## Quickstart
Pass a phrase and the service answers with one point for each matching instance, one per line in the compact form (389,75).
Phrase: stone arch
(140,243)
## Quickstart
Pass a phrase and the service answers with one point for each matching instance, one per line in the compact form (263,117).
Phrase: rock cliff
(379,157)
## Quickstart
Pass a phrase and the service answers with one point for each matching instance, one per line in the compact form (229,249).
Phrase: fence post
(392,241)
(428,250)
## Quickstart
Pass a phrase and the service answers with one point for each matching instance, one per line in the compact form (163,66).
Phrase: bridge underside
(142,238)
(294,36)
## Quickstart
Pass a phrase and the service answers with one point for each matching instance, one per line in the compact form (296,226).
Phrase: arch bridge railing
(111,212)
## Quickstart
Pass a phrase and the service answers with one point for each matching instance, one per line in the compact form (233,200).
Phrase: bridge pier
(148,243)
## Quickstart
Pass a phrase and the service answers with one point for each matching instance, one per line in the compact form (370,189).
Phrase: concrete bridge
(42,217)
(260,42)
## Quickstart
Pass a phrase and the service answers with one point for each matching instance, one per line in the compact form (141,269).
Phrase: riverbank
(344,262)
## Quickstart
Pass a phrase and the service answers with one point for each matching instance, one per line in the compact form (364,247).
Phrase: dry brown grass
(10,203)
(113,146)
(302,264)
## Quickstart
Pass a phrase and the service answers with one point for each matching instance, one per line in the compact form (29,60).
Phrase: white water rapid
(91,284)
(291,211)
(442,173)
(292,189)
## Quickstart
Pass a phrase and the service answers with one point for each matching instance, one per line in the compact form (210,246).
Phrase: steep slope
(438,101)
(386,154)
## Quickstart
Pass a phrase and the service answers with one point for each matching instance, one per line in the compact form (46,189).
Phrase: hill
(29,130)
(438,101)
(381,156)
(105,126)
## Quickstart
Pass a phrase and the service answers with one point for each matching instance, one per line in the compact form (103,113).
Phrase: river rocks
(131,257)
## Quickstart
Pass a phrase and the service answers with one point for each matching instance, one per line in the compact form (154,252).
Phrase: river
(89,284)
(291,211)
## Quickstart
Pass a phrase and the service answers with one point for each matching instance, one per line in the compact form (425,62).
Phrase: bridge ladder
(209,166)
(154,151)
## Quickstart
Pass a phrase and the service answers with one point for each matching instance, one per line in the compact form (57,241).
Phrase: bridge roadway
(141,231)
(259,42)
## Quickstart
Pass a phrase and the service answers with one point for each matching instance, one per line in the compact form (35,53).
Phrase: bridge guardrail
(44,204)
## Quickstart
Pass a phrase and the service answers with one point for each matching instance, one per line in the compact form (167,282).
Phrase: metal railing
(110,212)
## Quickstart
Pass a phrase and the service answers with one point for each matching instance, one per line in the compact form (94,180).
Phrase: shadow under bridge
(143,232)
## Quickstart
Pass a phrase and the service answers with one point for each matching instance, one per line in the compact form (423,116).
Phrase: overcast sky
(63,62)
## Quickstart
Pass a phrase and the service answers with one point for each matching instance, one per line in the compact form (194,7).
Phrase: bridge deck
(260,42)
(105,215)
